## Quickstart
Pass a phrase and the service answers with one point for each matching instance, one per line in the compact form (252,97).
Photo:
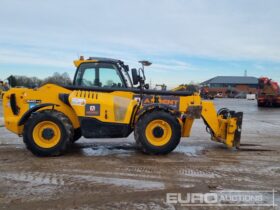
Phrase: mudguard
(27,114)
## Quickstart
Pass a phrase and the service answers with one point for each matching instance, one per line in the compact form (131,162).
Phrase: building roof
(232,80)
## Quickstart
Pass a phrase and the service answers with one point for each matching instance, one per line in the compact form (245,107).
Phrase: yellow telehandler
(104,101)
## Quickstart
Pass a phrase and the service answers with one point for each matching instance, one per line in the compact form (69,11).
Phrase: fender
(153,106)
(27,114)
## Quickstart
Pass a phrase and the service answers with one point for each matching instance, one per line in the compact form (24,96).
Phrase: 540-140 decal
(33,102)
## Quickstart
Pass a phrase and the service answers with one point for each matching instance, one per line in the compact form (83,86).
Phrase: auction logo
(224,198)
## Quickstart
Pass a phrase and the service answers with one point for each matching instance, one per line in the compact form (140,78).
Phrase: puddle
(187,185)
(49,179)
(8,137)
(34,179)
(122,182)
(128,149)
(189,150)
(109,150)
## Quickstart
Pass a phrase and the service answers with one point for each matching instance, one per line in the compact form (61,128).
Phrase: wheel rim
(46,134)
(158,132)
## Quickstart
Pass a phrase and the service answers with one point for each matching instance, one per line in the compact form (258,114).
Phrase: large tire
(77,135)
(47,133)
(157,132)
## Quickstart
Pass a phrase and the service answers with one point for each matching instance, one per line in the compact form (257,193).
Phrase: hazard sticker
(92,110)
(78,101)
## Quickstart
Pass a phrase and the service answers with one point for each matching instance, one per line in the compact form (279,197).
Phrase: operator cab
(102,73)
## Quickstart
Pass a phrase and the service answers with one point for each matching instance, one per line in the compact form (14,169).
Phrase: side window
(109,77)
(88,78)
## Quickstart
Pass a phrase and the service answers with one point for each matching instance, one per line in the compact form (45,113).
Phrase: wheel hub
(158,132)
(48,133)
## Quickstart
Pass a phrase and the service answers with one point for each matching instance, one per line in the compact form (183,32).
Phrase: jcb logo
(92,108)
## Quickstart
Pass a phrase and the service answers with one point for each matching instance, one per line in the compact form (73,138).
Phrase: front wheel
(157,132)
(77,135)
(47,133)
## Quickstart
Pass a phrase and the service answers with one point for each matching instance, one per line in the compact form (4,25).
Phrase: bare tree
(59,79)
(32,82)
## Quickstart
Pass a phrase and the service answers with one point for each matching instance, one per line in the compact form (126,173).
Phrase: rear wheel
(47,133)
(157,132)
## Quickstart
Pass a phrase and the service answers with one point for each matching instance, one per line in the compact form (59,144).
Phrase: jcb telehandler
(104,102)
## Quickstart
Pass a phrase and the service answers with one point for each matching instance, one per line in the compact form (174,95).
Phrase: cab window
(99,75)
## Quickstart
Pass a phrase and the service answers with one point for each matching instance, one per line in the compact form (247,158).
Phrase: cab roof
(96,60)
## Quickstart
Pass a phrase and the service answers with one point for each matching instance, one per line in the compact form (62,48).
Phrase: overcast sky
(186,40)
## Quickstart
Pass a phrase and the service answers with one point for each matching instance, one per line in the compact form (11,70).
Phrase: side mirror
(147,86)
(135,76)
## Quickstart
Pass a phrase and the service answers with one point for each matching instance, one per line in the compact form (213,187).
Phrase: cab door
(102,114)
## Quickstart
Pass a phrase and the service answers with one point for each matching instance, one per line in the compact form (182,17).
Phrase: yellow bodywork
(24,97)
(114,107)
(79,62)
(180,88)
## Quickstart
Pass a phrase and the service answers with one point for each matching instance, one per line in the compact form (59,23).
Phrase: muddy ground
(113,174)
